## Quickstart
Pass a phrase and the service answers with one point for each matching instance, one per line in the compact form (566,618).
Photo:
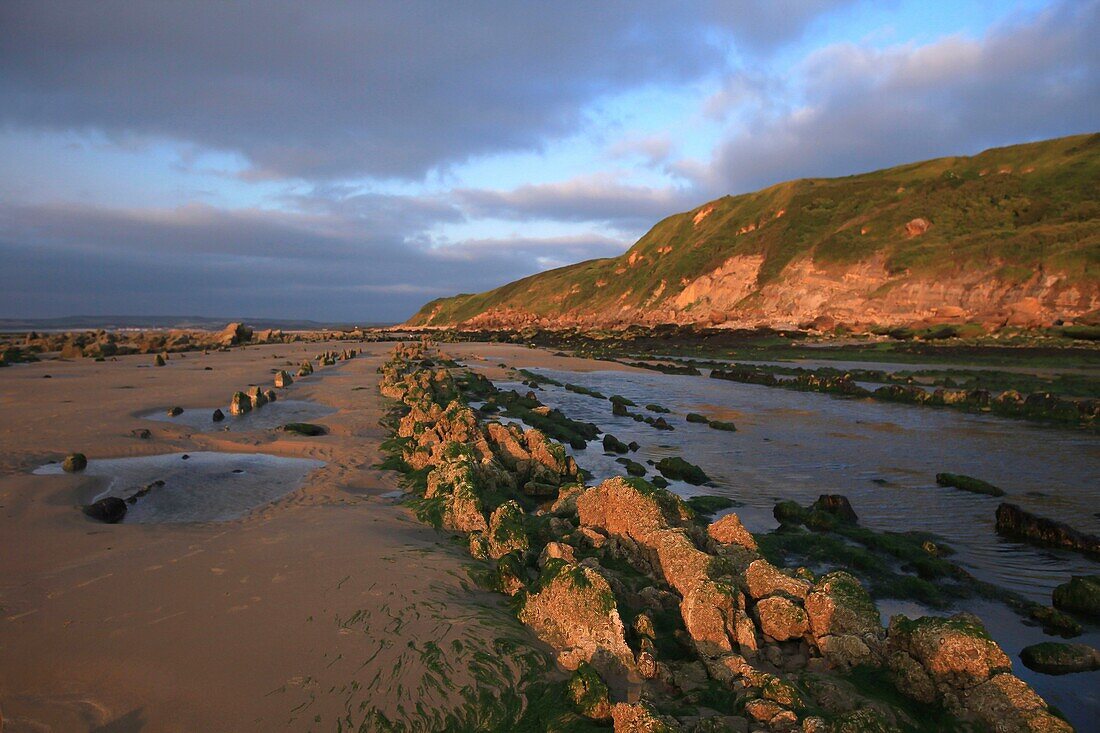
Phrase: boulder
(74,462)
(611,444)
(110,510)
(175,411)
(837,505)
(574,611)
(1052,657)
(677,468)
(240,404)
(218,415)
(1081,594)
(234,334)
(729,531)
(762,579)
(283,379)
(781,618)
(844,621)
(158,360)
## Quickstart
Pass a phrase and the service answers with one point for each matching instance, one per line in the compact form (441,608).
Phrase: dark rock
(1014,522)
(1051,657)
(611,444)
(837,505)
(74,462)
(141,433)
(175,411)
(677,468)
(968,483)
(1080,595)
(696,417)
(218,415)
(304,428)
(722,425)
(110,510)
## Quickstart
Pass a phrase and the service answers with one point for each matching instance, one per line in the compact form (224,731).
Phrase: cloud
(332,89)
(65,259)
(862,108)
(596,198)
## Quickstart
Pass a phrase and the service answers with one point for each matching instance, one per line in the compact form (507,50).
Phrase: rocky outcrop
(574,610)
(283,379)
(953,662)
(234,334)
(1014,522)
(708,616)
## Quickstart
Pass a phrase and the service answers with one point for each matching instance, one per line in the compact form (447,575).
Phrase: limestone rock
(575,612)
(729,531)
(763,579)
(781,619)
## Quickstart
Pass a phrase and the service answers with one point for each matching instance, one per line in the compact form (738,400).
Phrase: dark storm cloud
(334,89)
(866,108)
(61,260)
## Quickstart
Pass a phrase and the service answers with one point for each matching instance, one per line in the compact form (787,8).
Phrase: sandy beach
(313,609)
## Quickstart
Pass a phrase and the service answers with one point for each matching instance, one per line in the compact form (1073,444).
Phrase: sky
(348,162)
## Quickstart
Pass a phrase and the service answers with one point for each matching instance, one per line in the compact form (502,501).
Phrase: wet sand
(315,608)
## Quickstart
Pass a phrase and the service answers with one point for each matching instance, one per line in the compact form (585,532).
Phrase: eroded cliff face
(861,294)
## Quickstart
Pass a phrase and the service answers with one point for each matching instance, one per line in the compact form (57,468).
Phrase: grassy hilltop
(1011,235)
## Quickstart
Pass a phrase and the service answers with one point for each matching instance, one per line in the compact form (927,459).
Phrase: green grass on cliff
(1011,211)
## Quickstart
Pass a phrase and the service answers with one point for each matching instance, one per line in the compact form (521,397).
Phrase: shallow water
(884,458)
(271,415)
(207,486)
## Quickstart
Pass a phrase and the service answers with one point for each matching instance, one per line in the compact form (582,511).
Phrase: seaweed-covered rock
(676,468)
(836,505)
(588,693)
(729,531)
(240,404)
(952,661)
(1006,704)
(507,530)
(74,462)
(574,611)
(611,444)
(110,509)
(968,483)
(844,620)
(1014,522)
(1081,594)
(1050,657)
(695,417)
(955,652)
